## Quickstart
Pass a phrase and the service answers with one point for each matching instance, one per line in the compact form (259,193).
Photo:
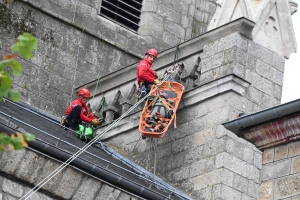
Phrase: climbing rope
(152,143)
(74,156)
(79,42)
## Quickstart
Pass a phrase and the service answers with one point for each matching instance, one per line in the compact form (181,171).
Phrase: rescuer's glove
(156,81)
(95,122)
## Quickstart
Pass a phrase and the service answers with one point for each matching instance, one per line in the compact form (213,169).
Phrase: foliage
(15,142)
(24,46)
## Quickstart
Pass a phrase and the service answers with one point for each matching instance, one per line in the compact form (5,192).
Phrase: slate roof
(46,129)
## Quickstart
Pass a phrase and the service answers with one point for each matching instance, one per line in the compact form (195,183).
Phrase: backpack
(85,132)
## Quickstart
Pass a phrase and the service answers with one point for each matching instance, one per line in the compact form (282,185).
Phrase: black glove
(101,120)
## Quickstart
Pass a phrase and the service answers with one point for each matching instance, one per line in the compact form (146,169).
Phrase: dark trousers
(145,89)
(73,118)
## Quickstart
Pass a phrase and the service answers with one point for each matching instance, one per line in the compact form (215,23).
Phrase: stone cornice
(191,97)
(274,133)
(123,80)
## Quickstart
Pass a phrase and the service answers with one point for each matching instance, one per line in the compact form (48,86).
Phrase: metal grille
(123,12)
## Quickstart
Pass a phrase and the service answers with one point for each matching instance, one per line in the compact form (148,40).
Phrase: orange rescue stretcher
(160,109)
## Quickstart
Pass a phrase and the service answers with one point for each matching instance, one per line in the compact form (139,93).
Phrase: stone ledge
(197,95)
(126,76)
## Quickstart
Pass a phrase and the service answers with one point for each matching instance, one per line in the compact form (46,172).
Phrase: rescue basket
(160,109)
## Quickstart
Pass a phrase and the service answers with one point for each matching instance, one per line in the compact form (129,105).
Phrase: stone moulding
(191,97)
(124,79)
(271,127)
(274,133)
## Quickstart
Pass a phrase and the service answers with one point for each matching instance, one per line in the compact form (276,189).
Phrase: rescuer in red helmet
(78,111)
(145,75)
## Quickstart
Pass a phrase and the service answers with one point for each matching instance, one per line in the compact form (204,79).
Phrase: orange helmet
(152,52)
(84,92)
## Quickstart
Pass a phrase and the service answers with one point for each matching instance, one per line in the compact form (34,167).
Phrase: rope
(79,42)
(176,55)
(96,89)
(152,154)
(74,13)
(74,156)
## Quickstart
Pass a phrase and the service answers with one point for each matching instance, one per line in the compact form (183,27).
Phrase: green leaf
(16,68)
(28,40)
(14,95)
(3,92)
(5,80)
(5,140)
(17,143)
(28,137)
(3,64)
(25,53)
(25,45)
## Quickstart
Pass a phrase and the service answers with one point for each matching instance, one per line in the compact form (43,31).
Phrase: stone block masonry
(77,46)
(31,168)
(281,172)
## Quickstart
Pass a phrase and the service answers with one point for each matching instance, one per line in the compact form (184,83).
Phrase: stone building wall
(280,172)
(200,157)
(77,46)
(21,169)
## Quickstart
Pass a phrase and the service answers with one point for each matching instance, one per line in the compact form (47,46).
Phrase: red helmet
(84,92)
(152,52)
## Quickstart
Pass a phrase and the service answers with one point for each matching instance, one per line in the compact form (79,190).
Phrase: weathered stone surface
(295,165)
(177,5)
(235,54)
(240,183)
(212,62)
(126,197)
(168,13)
(236,165)
(107,192)
(248,155)
(287,186)
(49,167)
(253,189)
(231,40)
(203,137)
(170,39)
(30,167)
(181,174)
(275,170)
(281,152)
(12,188)
(194,155)
(200,167)
(222,191)
(37,195)
(10,161)
(212,178)
(69,182)
(210,50)
(259,82)
(88,188)
(258,159)
(294,149)
(174,28)
(278,62)
(266,191)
